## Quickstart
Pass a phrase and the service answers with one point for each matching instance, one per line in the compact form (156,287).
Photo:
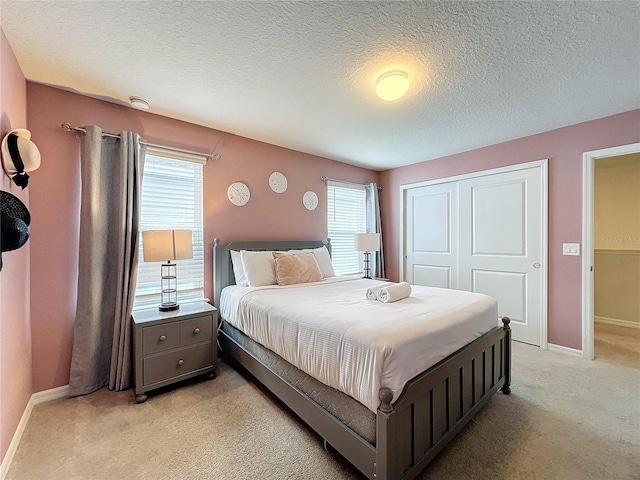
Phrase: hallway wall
(617,239)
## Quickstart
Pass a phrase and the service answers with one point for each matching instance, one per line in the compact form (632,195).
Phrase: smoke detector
(139,103)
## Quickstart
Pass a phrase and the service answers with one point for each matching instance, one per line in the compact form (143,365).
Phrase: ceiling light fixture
(139,103)
(392,85)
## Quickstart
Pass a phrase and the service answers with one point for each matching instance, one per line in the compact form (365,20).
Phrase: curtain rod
(325,179)
(67,127)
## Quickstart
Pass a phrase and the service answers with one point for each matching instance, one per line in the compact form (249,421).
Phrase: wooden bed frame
(433,407)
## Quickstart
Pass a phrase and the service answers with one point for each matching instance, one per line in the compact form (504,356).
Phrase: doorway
(589,240)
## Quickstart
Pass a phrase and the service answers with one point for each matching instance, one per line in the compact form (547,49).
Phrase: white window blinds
(346,216)
(171,200)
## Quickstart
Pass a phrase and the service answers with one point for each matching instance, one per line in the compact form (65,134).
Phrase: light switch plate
(571,249)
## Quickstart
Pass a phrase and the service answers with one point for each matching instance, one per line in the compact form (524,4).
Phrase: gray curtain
(111,172)
(374,225)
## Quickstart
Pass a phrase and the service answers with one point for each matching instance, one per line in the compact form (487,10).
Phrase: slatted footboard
(436,405)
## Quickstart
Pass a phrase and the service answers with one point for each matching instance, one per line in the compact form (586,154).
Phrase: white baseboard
(36,398)
(51,394)
(15,441)
(566,350)
(616,322)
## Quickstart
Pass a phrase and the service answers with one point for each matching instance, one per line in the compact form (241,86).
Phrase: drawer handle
(180,362)
(196,331)
(162,338)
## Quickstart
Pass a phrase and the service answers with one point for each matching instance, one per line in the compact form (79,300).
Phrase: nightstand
(173,346)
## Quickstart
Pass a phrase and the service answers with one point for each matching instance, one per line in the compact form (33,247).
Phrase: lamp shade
(161,245)
(367,242)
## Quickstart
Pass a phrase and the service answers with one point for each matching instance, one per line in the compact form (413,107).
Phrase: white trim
(35,399)
(611,251)
(480,173)
(588,171)
(543,165)
(177,153)
(544,307)
(616,322)
(50,395)
(402,251)
(574,352)
(345,184)
(15,441)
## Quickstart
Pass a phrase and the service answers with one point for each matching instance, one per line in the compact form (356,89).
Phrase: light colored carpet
(618,345)
(566,419)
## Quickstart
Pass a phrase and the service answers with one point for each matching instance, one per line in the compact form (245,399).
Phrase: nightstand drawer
(195,330)
(160,337)
(172,364)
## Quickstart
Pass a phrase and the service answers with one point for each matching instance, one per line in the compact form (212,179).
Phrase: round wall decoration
(238,193)
(310,200)
(278,182)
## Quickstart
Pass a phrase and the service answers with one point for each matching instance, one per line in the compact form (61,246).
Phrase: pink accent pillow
(300,268)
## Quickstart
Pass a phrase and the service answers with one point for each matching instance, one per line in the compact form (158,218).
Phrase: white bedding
(331,331)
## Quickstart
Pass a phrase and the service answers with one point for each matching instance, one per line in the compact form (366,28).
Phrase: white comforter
(331,331)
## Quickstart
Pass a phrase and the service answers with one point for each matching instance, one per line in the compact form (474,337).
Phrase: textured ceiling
(302,74)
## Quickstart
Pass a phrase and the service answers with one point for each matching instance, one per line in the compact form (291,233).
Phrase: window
(171,199)
(346,216)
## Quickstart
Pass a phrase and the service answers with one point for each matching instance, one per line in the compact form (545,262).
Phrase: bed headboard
(223,268)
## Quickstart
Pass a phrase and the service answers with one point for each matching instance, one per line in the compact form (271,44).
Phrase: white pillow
(324,261)
(323,258)
(238,269)
(259,267)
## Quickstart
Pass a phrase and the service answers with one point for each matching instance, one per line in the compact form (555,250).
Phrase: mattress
(350,412)
(332,332)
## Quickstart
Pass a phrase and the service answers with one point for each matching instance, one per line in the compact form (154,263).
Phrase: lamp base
(169,288)
(367,265)
(168,307)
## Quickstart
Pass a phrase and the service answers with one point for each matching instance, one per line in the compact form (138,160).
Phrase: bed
(409,427)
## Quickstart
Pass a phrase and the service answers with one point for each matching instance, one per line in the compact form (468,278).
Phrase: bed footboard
(435,406)
(432,409)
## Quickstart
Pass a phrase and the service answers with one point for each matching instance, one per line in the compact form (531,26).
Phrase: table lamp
(367,242)
(165,246)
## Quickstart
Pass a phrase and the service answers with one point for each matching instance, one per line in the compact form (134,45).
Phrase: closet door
(483,233)
(500,245)
(431,235)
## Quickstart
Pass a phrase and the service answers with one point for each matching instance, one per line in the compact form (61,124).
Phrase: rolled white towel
(372,293)
(395,292)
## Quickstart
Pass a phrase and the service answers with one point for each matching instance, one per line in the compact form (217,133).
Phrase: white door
(482,234)
(431,219)
(500,247)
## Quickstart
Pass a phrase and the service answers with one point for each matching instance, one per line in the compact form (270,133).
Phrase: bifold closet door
(431,235)
(500,245)
(482,234)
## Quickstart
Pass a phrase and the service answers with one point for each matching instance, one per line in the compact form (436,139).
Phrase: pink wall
(564,148)
(15,328)
(55,194)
